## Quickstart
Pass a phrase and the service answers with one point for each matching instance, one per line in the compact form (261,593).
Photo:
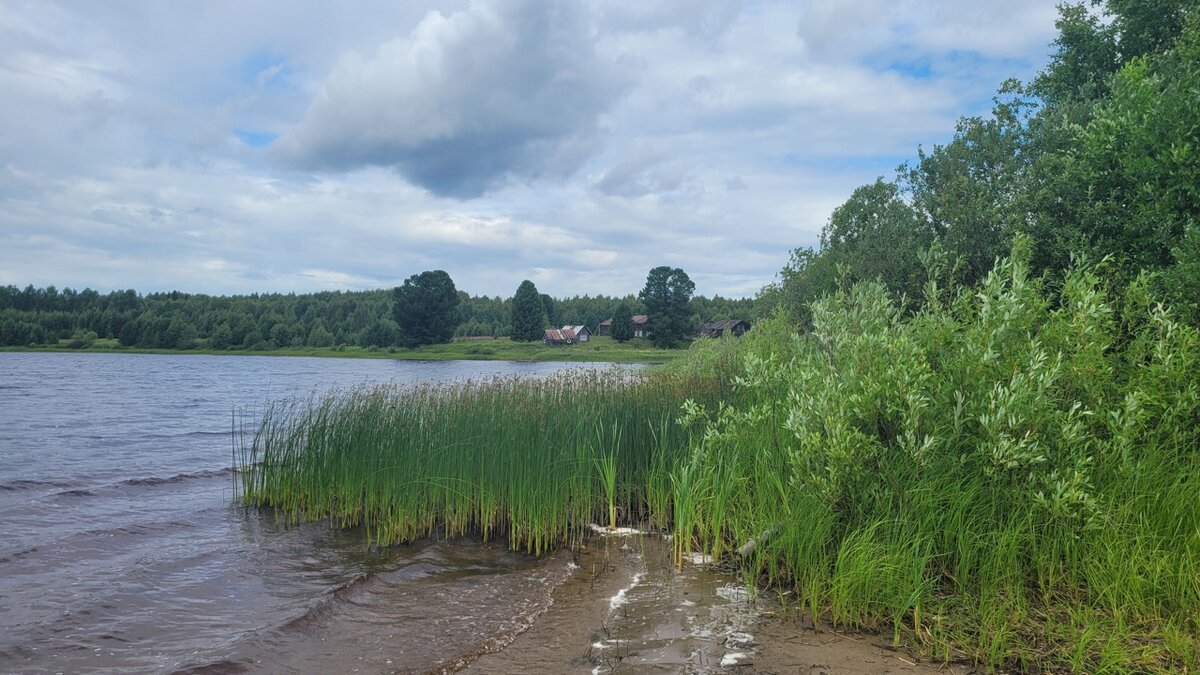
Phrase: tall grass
(534,459)
(1012,473)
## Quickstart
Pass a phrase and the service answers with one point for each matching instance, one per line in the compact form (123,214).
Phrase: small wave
(519,624)
(30,484)
(77,492)
(207,434)
(139,529)
(222,667)
(324,605)
(179,477)
(17,555)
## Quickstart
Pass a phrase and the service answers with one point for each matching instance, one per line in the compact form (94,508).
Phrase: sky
(230,147)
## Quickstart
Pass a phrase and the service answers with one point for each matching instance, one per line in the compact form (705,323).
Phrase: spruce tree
(622,323)
(528,313)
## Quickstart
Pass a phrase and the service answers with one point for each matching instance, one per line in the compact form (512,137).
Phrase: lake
(124,548)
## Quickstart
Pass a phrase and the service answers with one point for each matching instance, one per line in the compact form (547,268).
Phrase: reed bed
(1012,475)
(536,460)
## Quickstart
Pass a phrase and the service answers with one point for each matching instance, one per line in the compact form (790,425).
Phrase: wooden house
(716,329)
(582,334)
(555,337)
(641,326)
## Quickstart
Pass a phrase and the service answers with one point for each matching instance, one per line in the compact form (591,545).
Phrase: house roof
(577,330)
(556,335)
(723,324)
(606,322)
(640,318)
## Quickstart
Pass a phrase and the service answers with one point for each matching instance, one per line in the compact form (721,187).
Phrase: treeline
(36,316)
(1097,158)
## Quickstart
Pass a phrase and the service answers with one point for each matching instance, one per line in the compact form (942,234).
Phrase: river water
(122,548)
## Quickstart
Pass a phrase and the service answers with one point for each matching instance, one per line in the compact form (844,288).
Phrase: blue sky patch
(263,68)
(255,138)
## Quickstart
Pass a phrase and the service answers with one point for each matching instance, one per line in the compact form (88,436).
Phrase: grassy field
(602,349)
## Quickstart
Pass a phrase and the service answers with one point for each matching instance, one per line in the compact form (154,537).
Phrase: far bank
(603,349)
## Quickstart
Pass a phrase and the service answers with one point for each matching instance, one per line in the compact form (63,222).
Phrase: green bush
(1005,470)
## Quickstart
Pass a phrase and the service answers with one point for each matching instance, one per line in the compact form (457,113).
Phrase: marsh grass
(1010,474)
(536,460)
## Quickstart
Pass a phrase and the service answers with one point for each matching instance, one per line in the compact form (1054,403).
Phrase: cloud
(514,89)
(643,171)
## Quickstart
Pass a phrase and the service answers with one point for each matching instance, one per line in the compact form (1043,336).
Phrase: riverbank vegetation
(1007,474)
(536,461)
(598,349)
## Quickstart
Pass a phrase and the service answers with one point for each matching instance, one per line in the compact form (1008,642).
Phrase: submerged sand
(628,609)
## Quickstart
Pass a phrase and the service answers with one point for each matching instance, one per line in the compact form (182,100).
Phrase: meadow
(598,349)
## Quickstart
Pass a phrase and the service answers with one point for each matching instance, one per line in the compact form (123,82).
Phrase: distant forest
(37,316)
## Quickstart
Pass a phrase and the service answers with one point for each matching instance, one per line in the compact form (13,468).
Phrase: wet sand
(628,609)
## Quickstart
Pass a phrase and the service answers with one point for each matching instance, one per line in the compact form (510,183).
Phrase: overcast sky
(236,147)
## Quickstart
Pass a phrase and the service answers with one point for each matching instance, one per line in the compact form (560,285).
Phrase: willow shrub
(1013,471)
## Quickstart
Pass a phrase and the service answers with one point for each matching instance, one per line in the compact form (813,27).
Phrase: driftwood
(749,547)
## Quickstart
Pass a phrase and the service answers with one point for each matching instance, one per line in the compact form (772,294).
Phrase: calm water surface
(122,550)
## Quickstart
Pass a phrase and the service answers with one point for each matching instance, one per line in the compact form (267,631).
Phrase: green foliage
(551,309)
(1085,56)
(963,191)
(990,474)
(528,313)
(319,336)
(622,323)
(666,296)
(424,309)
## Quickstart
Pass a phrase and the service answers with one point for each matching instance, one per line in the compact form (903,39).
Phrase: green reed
(1010,474)
(534,459)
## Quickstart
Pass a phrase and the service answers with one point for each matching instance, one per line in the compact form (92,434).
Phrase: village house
(582,334)
(554,337)
(716,329)
(640,327)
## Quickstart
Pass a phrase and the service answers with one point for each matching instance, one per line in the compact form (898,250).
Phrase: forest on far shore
(262,322)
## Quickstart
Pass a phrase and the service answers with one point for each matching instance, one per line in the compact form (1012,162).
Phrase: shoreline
(627,607)
(461,351)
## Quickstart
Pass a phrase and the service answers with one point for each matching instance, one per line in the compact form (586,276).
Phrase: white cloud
(506,89)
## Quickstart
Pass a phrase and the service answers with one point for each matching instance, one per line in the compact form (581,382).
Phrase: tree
(320,336)
(424,309)
(666,295)
(965,192)
(878,236)
(551,309)
(380,333)
(622,323)
(528,313)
